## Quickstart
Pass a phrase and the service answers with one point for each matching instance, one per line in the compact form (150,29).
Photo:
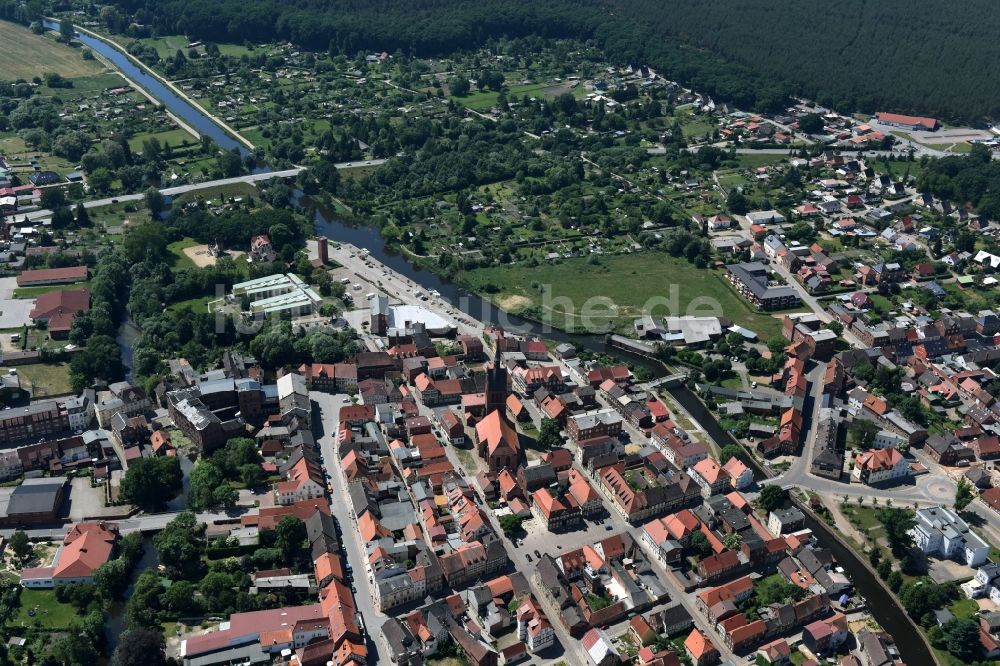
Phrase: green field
(174,137)
(626,283)
(177,249)
(26,55)
(33,292)
(481,101)
(168,45)
(48,612)
(46,379)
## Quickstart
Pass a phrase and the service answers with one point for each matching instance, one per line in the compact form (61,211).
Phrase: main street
(328,415)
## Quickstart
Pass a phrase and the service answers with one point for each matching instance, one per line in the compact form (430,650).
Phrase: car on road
(608,528)
(528,557)
(537,554)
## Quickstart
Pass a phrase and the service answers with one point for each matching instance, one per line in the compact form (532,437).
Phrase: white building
(986,583)
(888,440)
(765,217)
(10,464)
(278,294)
(941,532)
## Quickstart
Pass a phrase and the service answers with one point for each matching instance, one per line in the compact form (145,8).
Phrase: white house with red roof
(85,548)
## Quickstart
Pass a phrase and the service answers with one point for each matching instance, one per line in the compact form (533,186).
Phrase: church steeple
(496,380)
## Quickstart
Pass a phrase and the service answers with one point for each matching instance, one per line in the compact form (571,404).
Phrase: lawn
(168,45)
(48,612)
(629,286)
(754,160)
(964,608)
(177,249)
(26,55)
(34,292)
(175,138)
(487,99)
(198,304)
(46,379)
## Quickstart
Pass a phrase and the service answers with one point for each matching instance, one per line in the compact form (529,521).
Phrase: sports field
(24,55)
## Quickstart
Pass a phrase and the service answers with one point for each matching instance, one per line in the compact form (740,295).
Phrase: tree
(53,197)
(82,216)
(894,580)
(154,201)
(291,533)
(144,603)
(208,488)
(731,451)
(180,599)
(732,541)
(66,31)
(550,435)
(146,241)
(776,590)
(771,498)
(737,203)
(884,568)
(510,524)
(140,647)
(100,180)
(963,494)
(151,482)
(962,639)
(922,596)
(74,651)
(699,545)
(100,359)
(20,545)
(897,524)
(112,577)
(130,547)
(811,123)
(863,432)
(458,85)
(179,544)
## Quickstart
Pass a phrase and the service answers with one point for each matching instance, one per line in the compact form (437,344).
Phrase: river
(881,604)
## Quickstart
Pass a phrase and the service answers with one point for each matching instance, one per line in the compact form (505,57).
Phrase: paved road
(180,189)
(139,523)
(208,184)
(568,647)
(329,410)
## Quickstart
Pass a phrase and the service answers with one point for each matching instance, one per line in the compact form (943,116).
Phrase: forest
(900,55)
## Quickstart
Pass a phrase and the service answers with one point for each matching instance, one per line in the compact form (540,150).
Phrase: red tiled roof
(52,275)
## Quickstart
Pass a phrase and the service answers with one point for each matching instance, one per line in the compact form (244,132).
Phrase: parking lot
(14,312)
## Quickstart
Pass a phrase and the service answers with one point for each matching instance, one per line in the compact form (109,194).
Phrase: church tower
(496,381)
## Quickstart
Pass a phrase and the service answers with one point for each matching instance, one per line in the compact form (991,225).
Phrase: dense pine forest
(916,56)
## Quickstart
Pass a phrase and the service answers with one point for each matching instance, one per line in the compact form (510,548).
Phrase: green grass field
(175,137)
(25,55)
(34,292)
(626,283)
(481,101)
(168,45)
(46,379)
(48,612)
(177,249)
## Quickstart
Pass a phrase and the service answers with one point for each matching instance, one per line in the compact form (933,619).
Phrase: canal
(191,115)
(882,606)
